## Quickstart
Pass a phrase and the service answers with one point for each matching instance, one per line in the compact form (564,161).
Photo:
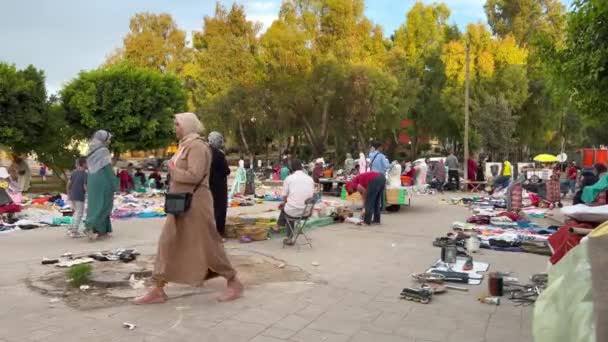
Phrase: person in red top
(371,187)
(572,174)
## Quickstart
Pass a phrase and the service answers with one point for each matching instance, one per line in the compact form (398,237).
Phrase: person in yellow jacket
(507,169)
(504,179)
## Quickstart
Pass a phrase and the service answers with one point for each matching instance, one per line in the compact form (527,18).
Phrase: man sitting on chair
(297,188)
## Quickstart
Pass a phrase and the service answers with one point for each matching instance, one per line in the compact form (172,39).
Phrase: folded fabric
(584,213)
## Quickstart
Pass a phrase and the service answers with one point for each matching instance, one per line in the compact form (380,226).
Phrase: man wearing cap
(371,187)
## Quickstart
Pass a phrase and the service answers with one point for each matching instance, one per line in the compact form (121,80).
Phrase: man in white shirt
(297,188)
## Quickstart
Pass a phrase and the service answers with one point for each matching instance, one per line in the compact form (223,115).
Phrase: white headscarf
(191,126)
(98,155)
(189,123)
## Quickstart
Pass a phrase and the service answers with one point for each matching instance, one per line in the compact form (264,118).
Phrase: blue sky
(66,36)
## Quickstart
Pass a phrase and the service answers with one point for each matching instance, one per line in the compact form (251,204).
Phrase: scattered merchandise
(490,300)
(69,263)
(129,326)
(124,255)
(456,272)
(422,295)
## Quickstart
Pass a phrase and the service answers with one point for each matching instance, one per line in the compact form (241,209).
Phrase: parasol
(546,158)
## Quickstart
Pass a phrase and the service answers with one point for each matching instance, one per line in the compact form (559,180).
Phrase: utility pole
(466,114)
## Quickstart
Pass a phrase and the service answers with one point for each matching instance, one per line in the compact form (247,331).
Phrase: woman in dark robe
(218,180)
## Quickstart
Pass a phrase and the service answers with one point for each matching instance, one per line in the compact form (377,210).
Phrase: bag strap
(205,177)
(371,164)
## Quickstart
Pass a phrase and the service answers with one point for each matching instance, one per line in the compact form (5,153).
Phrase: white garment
(297,187)
(77,216)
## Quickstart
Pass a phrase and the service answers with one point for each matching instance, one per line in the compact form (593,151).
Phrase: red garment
(517,197)
(563,241)
(471,170)
(572,172)
(10,208)
(317,173)
(363,179)
(126,181)
(553,190)
(513,216)
(41,200)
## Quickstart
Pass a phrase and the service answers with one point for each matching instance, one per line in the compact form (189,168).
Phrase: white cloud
(262,11)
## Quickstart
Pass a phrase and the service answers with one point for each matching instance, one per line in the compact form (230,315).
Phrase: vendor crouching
(371,186)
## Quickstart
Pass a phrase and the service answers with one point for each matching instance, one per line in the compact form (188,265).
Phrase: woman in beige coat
(190,249)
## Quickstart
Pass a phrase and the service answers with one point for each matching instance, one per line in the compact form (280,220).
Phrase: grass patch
(79,274)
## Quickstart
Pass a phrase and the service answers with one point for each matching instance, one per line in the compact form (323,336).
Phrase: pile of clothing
(506,231)
(138,205)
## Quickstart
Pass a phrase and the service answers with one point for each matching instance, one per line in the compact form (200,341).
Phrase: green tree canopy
(31,124)
(153,42)
(136,105)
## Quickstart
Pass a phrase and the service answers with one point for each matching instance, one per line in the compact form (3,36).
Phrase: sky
(63,37)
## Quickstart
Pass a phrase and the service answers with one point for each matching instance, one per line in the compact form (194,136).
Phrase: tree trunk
(317,145)
(59,172)
(243,139)
(324,123)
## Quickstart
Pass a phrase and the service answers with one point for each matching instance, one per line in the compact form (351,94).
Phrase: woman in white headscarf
(190,250)
(101,185)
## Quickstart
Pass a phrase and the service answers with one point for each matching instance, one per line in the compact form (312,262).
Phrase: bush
(79,274)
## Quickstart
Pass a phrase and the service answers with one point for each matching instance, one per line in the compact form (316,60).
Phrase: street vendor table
(272,183)
(397,196)
(472,186)
(332,181)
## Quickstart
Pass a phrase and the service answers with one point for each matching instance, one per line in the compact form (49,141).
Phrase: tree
(526,19)
(31,124)
(414,59)
(499,86)
(225,58)
(585,57)
(136,105)
(22,106)
(153,42)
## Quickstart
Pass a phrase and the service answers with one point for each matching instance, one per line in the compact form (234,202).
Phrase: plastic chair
(296,225)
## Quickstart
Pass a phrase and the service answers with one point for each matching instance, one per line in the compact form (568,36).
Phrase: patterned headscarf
(216,140)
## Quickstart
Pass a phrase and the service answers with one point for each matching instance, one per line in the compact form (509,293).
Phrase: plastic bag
(564,311)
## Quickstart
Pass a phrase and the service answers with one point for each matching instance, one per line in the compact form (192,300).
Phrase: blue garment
(379,162)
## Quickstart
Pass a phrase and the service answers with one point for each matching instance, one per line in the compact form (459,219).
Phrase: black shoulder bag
(177,203)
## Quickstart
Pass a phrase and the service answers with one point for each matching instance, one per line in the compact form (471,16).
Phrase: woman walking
(101,185)
(218,180)
(190,250)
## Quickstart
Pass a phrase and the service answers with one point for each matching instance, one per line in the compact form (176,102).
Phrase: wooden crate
(254,232)
(396,196)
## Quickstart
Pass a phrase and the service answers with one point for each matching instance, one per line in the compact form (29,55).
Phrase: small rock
(54,300)
(84,287)
(281,265)
(315,263)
